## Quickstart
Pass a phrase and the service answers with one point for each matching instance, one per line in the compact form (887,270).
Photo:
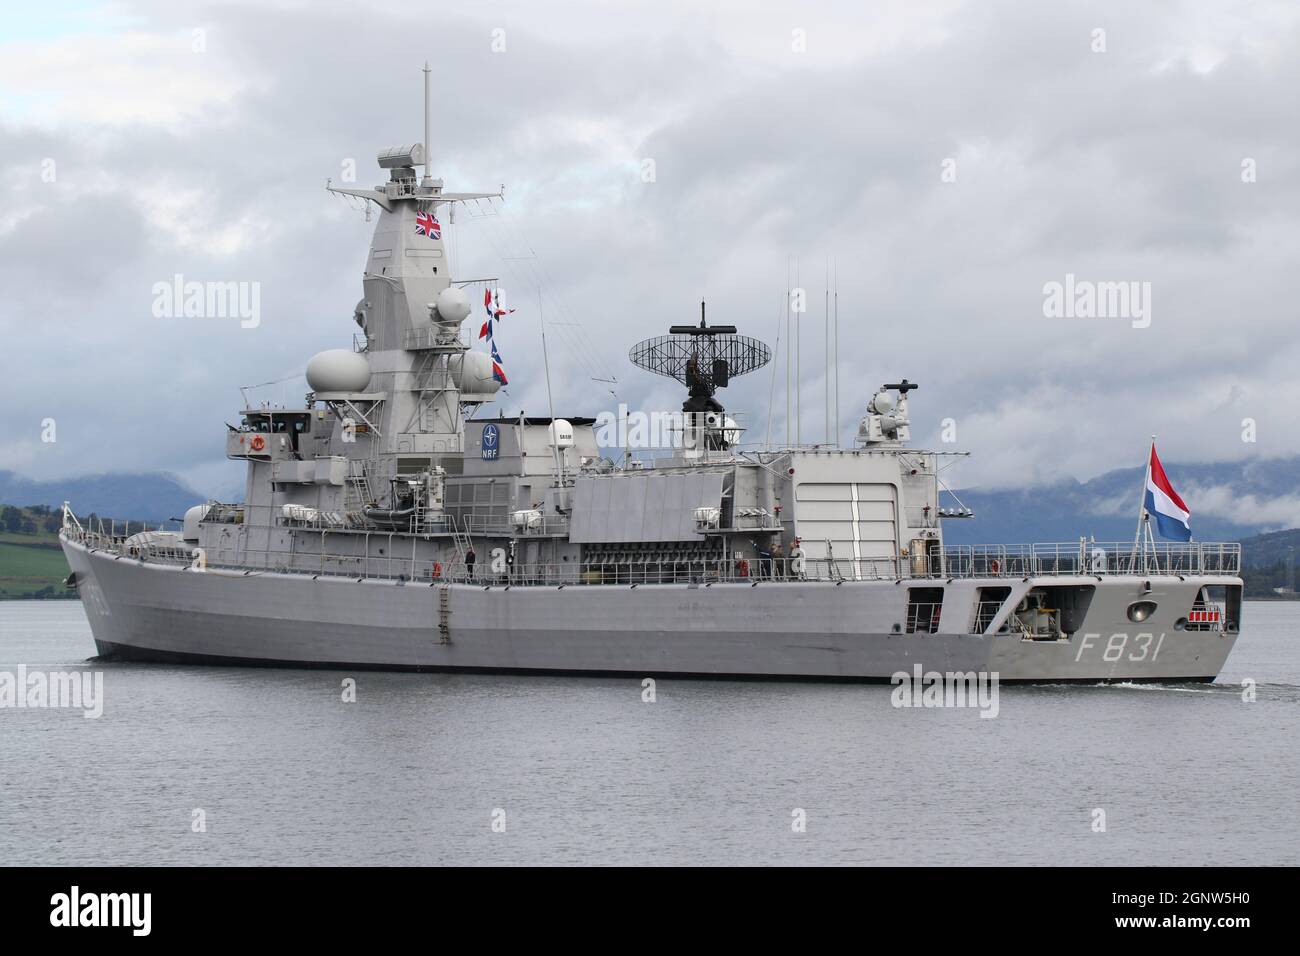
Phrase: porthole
(1139,611)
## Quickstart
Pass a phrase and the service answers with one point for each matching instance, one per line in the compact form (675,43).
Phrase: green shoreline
(32,566)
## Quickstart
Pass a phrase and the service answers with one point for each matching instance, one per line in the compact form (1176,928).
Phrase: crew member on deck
(797,559)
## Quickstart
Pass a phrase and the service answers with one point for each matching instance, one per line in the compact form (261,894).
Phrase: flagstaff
(1138,539)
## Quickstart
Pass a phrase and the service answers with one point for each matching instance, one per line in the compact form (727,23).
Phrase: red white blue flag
(498,372)
(1173,518)
(486,330)
(426,224)
(494,311)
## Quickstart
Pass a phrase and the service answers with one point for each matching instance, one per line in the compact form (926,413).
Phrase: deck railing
(962,561)
(484,525)
(1101,558)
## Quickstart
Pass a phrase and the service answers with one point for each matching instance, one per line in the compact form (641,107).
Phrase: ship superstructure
(386,524)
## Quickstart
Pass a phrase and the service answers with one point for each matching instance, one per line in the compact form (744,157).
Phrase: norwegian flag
(498,372)
(426,224)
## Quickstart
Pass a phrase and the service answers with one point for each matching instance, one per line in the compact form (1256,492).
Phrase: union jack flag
(426,224)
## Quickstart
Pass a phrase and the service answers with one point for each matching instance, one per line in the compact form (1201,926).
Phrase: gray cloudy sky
(1122,165)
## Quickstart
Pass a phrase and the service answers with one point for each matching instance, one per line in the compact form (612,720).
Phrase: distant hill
(149,496)
(1254,497)
(1258,496)
(1266,562)
(1267,550)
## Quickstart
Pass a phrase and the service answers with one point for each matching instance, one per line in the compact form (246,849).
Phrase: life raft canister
(258,443)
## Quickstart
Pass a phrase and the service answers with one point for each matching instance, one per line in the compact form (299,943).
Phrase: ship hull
(153,611)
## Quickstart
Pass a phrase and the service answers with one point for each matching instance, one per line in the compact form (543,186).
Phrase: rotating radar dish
(702,357)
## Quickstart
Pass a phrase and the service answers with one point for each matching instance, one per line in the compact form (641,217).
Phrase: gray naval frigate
(386,525)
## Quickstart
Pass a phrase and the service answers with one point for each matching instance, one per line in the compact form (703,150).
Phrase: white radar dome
(472,373)
(732,432)
(453,306)
(561,434)
(338,370)
(883,403)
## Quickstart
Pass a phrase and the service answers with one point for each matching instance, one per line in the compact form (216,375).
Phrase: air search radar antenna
(704,358)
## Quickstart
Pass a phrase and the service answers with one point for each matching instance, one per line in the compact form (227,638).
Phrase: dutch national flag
(1173,520)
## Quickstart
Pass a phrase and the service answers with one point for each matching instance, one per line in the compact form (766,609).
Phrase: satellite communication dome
(452,306)
(561,434)
(338,370)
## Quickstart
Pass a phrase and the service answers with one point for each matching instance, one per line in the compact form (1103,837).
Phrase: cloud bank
(948,159)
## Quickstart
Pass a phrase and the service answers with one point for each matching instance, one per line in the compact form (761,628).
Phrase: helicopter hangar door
(846,520)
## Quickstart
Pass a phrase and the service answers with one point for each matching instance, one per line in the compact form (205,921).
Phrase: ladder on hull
(462,539)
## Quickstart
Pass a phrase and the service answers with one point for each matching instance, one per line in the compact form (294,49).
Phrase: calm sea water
(585,772)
